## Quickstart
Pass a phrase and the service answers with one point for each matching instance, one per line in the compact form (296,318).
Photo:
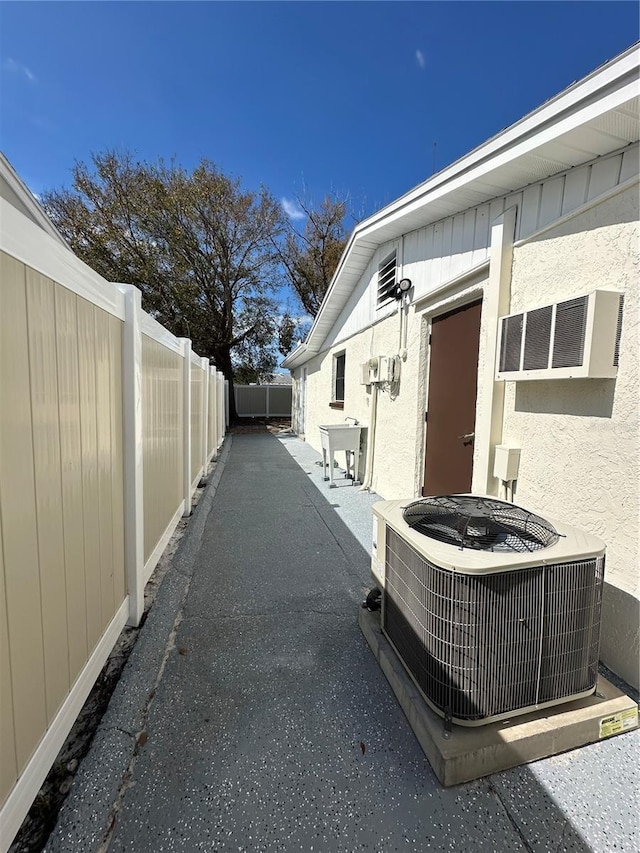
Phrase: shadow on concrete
(272,727)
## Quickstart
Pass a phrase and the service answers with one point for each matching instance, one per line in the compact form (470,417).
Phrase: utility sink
(340,437)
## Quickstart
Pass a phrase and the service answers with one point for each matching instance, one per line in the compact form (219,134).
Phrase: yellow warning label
(620,722)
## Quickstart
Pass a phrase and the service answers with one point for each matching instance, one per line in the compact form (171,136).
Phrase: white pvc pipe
(371,438)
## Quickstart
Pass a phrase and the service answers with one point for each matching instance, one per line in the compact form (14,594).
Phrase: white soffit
(593,117)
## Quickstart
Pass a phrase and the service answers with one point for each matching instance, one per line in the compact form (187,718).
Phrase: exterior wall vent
(386,281)
(578,338)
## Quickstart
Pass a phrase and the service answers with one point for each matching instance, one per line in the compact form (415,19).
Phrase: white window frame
(334,377)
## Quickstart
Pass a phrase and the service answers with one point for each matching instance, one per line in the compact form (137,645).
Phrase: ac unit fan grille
(483,524)
(482,646)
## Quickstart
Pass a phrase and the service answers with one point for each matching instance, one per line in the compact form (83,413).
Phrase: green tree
(310,257)
(199,246)
(286,334)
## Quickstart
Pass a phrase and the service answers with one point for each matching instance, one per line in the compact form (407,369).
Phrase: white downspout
(496,302)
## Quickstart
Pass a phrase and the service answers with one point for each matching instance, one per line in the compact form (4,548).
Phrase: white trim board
(26,198)
(158,551)
(24,240)
(24,792)
(150,327)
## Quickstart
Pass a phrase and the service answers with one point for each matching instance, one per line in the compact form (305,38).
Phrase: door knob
(467,438)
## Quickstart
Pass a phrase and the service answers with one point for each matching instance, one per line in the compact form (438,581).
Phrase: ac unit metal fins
(484,647)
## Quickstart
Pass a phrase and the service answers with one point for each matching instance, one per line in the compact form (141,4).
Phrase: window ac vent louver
(568,341)
(616,352)
(536,345)
(511,342)
(576,338)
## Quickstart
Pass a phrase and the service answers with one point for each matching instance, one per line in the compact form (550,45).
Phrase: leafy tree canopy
(310,257)
(200,247)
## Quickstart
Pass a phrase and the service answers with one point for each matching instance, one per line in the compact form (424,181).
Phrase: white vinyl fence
(108,425)
(263,401)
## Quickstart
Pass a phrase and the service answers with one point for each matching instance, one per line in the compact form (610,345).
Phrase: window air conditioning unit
(493,611)
(575,339)
(377,370)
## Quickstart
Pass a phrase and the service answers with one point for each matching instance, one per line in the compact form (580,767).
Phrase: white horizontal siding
(444,250)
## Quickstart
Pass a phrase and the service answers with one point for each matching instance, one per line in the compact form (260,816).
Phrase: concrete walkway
(268,726)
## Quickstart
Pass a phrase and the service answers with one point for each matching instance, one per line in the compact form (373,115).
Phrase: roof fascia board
(295,358)
(328,296)
(526,146)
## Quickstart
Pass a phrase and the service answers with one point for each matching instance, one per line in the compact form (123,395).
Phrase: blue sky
(301,97)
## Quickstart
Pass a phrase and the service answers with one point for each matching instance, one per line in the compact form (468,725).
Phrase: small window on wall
(337,395)
(386,281)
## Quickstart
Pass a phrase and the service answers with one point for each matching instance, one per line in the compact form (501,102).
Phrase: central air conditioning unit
(493,610)
(579,338)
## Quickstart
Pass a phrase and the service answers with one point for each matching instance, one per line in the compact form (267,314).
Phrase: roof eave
(516,139)
(295,358)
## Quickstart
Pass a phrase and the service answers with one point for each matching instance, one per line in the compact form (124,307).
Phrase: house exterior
(534,223)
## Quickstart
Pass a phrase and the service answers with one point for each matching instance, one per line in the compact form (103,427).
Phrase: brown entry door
(451,405)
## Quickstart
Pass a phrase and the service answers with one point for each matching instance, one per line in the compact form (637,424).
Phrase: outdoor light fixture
(403,286)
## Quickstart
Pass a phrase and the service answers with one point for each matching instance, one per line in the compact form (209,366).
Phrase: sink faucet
(355,421)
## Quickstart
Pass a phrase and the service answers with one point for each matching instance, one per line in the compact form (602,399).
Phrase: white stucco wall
(398,431)
(580,439)
(398,466)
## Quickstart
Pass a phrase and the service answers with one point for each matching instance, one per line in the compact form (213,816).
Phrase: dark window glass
(339,383)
